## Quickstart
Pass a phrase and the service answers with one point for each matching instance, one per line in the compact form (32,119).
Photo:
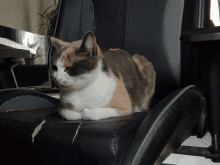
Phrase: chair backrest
(148,27)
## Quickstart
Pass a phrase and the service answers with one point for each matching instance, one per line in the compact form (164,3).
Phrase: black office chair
(38,135)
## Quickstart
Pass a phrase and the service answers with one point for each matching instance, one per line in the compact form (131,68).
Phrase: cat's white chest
(96,95)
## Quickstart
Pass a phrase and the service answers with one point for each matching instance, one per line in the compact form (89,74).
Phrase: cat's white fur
(92,92)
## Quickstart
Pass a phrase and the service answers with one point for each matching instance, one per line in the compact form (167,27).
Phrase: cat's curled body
(96,84)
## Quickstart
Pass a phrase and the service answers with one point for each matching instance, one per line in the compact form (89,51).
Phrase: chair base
(208,153)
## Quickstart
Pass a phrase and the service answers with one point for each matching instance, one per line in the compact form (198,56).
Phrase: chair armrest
(25,99)
(201,35)
(169,123)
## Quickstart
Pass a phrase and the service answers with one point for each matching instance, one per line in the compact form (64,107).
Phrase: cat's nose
(64,82)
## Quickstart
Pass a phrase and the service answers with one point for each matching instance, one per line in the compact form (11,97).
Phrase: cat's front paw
(87,114)
(70,114)
(99,113)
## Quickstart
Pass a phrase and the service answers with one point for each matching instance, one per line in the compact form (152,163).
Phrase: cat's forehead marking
(69,57)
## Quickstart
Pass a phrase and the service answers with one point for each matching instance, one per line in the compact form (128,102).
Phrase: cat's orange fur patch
(94,69)
(114,49)
(120,100)
(59,43)
(148,74)
(69,57)
(139,62)
(99,52)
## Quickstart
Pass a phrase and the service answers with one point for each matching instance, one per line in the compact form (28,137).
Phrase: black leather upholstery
(147,27)
(122,140)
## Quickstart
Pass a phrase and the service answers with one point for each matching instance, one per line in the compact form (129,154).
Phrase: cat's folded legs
(70,114)
(99,113)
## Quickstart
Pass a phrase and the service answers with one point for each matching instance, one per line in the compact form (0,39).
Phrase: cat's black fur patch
(82,66)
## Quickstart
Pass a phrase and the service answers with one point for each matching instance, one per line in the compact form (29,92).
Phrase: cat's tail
(148,78)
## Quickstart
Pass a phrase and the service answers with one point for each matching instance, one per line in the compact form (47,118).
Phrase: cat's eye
(54,67)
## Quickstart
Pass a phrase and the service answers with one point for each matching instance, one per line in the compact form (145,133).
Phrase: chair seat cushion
(96,142)
(43,137)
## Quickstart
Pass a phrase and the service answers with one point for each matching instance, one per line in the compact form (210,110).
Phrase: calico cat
(97,84)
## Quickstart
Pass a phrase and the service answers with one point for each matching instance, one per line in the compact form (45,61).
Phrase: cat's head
(77,62)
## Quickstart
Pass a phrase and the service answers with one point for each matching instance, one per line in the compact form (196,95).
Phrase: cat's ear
(89,43)
(59,44)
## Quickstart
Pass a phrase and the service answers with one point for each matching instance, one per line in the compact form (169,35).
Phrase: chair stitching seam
(115,139)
